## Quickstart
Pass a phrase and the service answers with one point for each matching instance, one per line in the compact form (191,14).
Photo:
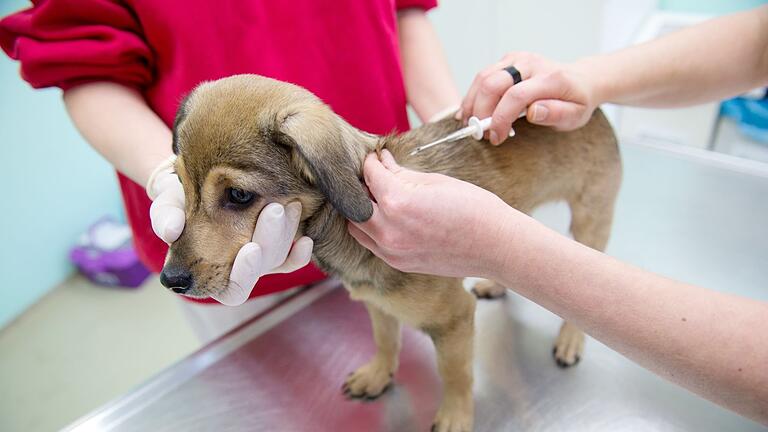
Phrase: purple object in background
(105,255)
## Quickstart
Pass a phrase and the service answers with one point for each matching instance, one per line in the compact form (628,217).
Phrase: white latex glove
(167,195)
(268,252)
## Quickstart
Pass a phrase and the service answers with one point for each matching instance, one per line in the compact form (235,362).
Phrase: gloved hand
(268,252)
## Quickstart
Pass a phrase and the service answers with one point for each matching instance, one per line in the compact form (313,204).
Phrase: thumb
(389,162)
(403,175)
(245,272)
(558,114)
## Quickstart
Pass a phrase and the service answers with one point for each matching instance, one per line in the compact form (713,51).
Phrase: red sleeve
(421,4)
(68,42)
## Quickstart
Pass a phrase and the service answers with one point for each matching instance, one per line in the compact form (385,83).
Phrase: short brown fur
(281,142)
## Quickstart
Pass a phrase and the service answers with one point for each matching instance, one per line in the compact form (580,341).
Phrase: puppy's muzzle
(176,279)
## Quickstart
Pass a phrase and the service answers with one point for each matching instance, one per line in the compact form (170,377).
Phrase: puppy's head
(243,142)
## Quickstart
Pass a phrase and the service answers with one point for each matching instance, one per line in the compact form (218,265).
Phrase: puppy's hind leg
(375,377)
(591,218)
(453,341)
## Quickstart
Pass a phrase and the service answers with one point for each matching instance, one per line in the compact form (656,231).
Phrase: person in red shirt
(125,66)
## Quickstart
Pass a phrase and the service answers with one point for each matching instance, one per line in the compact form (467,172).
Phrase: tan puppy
(245,141)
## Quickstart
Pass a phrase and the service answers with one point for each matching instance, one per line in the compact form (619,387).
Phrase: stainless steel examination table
(692,217)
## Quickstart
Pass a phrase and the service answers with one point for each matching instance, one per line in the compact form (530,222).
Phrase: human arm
(429,86)
(716,59)
(712,343)
(119,124)
(95,51)
(709,342)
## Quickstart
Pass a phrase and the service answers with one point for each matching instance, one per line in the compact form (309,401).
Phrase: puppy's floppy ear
(321,143)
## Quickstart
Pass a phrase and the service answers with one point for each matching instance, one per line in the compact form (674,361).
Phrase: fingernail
(277,210)
(494,138)
(540,113)
(458,115)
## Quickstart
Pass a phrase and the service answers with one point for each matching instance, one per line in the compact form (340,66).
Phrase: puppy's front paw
(368,382)
(569,346)
(452,420)
(488,289)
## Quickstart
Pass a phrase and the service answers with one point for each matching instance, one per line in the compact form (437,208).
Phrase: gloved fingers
(167,220)
(267,253)
(159,178)
(275,231)
(300,254)
(167,210)
(172,193)
(166,182)
(246,271)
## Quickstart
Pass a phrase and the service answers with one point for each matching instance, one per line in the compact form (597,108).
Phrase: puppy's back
(538,164)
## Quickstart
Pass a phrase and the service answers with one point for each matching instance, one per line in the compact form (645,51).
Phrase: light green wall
(714,7)
(52,186)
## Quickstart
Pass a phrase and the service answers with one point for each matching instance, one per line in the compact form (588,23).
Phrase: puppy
(245,141)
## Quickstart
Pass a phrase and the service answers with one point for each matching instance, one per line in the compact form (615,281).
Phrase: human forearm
(711,343)
(119,124)
(710,61)
(428,82)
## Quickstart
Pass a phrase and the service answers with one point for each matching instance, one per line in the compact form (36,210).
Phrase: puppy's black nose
(176,279)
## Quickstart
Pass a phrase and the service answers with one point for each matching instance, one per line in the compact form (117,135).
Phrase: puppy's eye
(238,197)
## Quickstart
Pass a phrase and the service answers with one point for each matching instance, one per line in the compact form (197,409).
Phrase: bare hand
(550,94)
(430,223)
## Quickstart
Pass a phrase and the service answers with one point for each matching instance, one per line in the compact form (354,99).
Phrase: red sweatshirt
(344,51)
